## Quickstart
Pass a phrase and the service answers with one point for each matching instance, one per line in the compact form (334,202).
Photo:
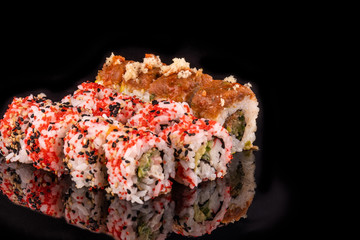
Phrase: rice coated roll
(139,164)
(14,126)
(45,137)
(84,154)
(87,97)
(95,99)
(202,149)
(158,115)
(231,104)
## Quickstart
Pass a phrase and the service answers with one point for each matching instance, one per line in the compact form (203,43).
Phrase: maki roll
(202,149)
(231,104)
(158,115)
(44,139)
(14,127)
(84,154)
(139,164)
(95,99)
(129,77)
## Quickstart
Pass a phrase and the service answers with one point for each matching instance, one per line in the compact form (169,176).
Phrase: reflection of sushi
(202,149)
(139,164)
(86,208)
(12,182)
(33,188)
(242,186)
(151,220)
(231,104)
(199,211)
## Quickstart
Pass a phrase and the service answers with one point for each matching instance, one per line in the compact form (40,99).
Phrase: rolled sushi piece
(130,77)
(139,164)
(158,115)
(95,99)
(231,104)
(202,149)
(84,154)
(14,127)
(87,97)
(44,139)
(86,209)
(151,220)
(199,211)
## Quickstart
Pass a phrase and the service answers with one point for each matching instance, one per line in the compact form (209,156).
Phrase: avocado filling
(146,161)
(203,153)
(202,212)
(145,232)
(235,124)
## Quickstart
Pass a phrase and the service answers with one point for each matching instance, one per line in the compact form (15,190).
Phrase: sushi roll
(129,77)
(139,164)
(84,154)
(14,127)
(158,115)
(44,139)
(87,97)
(86,208)
(151,220)
(202,149)
(95,99)
(231,104)
(199,211)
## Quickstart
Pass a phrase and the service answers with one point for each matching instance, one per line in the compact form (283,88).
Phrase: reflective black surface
(184,212)
(56,61)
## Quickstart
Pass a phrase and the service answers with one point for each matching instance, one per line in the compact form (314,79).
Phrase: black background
(54,57)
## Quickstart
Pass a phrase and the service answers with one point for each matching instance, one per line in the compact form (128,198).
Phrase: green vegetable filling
(235,124)
(203,153)
(202,212)
(145,232)
(145,162)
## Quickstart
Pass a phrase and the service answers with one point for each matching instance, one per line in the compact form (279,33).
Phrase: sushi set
(140,127)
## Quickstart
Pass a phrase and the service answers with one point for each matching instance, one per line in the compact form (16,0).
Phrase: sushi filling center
(149,164)
(203,153)
(236,124)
